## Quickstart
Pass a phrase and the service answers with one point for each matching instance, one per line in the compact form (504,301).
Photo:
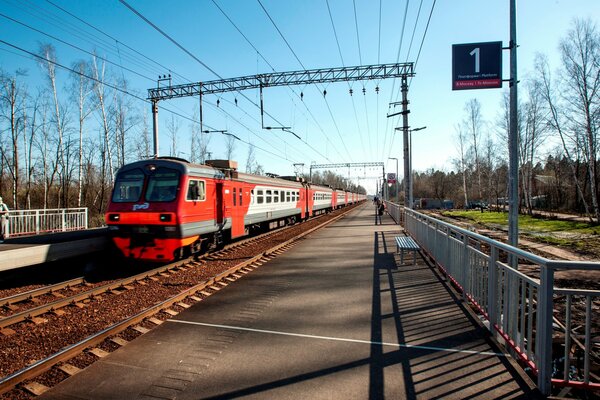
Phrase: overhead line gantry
(260,81)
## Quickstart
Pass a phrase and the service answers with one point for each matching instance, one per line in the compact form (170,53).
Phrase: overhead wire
(175,42)
(116,40)
(421,47)
(50,17)
(73,46)
(300,62)
(272,68)
(100,58)
(358,129)
(118,89)
(394,80)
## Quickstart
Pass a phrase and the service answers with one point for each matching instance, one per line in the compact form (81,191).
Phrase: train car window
(282,194)
(234,196)
(276,196)
(259,197)
(128,186)
(287,196)
(162,185)
(196,191)
(241,197)
(268,196)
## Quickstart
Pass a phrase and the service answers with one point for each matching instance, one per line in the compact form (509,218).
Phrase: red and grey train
(166,208)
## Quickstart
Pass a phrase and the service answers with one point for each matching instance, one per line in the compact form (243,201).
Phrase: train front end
(143,212)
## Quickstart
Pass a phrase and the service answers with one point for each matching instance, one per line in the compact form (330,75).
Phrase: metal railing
(531,315)
(35,222)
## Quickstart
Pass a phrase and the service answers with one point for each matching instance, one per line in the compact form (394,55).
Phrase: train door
(237,210)
(220,206)
(310,202)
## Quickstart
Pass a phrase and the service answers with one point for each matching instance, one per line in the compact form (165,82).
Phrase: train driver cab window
(234,196)
(128,186)
(196,191)
(241,196)
(162,185)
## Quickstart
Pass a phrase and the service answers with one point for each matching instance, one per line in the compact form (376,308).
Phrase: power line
(36,56)
(300,62)
(176,43)
(357,36)
(281,34)
(184,49)
(271,66)
(116,40)
(74,46)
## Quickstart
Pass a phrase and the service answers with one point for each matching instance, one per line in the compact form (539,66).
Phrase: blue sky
(356,129)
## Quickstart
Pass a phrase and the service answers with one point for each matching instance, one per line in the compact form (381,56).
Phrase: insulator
(351,91)
(377,89)
(324,93)
(235,100)
(218,102)
(302,96)
(364,91)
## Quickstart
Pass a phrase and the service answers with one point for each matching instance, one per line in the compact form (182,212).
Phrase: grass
(527,223)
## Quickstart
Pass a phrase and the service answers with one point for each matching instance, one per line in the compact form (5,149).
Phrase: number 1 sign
(477,65)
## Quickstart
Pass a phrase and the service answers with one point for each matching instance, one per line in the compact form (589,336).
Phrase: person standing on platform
(3,220)
(379,208)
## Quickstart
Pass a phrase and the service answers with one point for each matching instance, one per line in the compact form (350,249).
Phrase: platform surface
(335,317)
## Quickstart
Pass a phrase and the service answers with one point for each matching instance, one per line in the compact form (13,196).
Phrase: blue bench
(406,243)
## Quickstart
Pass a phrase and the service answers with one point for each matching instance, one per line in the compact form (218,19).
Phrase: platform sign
(477,66)
(391,178)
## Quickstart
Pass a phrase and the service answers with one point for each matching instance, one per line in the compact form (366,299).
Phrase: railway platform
(336,317)
(26,251)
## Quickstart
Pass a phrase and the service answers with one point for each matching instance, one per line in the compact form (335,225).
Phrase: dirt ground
(580,279)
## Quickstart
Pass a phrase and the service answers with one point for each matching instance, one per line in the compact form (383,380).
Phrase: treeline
(336,181)
(559,117)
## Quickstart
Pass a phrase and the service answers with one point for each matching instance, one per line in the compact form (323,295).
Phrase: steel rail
(11,381)
(6,301)
(63,302)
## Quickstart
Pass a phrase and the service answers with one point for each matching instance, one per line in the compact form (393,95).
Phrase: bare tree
(461,142)
(580,52)
(173,129)
(81,89)
(12,112)
(473,124)
(556,120)
(229,146)
(251,159)
(142,142)
(48,53)
(532,137)
(100,97)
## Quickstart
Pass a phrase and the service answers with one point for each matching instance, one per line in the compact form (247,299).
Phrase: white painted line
(408,346)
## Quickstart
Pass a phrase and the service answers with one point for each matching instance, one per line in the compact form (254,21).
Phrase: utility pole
(405,144)
(513,140)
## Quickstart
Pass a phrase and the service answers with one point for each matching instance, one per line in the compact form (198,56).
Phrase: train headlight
(114,217)
(165,217)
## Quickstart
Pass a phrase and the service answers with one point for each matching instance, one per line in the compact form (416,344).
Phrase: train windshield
(162,185)
(128,186)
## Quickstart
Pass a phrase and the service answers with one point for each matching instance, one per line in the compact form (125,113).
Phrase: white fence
(34,222)
(531,315)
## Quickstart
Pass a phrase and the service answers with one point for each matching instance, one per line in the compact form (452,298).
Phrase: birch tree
(580,52)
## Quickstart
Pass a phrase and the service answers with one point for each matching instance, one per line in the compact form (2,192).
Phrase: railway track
(37,343)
